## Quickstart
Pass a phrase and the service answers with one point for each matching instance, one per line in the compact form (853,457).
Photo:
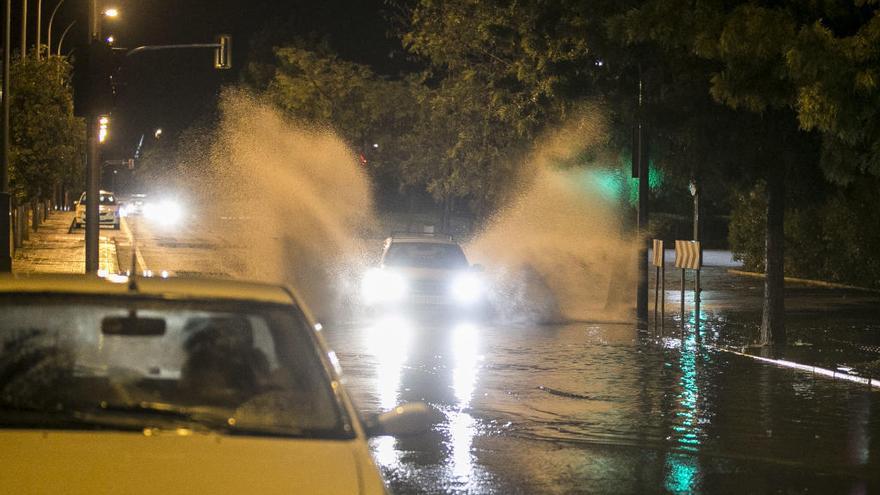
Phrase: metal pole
(49,27)
(92,227)
(682,301)
(39,25)
(641,155)
(93,172)
(5,197)
(697,288)
(63,34)
(656,296)
(24,29)
(663,291)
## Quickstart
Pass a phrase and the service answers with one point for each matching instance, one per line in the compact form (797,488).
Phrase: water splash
(558,250)
(287,200)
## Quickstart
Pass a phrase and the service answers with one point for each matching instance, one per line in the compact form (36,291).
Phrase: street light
(158,133)
(103,124)
(111,12)
(63,35)
(110,39)
(49,28)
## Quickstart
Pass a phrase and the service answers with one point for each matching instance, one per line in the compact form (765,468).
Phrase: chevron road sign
(658,253)
(687,255)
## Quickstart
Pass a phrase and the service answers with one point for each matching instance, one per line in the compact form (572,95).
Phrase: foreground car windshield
(425,255)
(82,362)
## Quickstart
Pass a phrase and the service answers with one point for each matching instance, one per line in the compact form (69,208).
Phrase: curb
(871,383)
(805,281)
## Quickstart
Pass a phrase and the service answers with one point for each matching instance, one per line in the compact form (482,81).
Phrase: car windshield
(82,363)
(103,199)
(425,255)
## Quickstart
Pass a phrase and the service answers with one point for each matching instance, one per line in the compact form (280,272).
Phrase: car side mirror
(412,418)
(478,268)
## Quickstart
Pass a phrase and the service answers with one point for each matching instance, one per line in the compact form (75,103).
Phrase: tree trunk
(445,221)
(25,231)
(16,226)
(35,215)
(773,320)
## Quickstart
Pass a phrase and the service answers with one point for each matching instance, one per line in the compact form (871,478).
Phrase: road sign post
(687,257)
(659,261)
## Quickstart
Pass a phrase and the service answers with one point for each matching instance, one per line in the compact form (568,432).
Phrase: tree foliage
(47,140)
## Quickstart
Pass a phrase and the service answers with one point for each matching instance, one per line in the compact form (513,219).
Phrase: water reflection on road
(599,407)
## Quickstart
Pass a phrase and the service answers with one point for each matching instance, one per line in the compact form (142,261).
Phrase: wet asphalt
(606,408)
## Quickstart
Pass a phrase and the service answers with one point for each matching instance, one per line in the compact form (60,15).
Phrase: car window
(425,255)
(236,370)
(104,199)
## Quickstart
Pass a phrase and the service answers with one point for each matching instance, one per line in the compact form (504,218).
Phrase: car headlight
(165,212)
(467,288)
(380,286)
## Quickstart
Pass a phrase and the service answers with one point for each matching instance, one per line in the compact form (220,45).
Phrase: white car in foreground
(425,273)
(176,386)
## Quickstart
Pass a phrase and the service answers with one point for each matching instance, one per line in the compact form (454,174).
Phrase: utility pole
(93,172)
(5,197)
(640,156)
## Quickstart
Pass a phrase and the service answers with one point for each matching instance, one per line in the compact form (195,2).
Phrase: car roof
(182,288)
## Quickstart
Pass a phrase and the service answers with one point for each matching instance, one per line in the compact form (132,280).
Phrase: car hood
(425,273)
(49,461)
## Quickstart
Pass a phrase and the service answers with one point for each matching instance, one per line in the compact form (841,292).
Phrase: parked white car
(108,210)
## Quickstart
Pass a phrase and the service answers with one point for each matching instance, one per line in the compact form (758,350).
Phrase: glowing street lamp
(111,12)
(110,39)
(103,124)
(158,133)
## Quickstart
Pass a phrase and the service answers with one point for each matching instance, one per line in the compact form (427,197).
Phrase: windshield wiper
(165,411)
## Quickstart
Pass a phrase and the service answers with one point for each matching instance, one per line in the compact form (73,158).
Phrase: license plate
(427,299)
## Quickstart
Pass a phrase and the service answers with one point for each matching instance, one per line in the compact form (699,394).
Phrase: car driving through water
(425,273)
(178,385)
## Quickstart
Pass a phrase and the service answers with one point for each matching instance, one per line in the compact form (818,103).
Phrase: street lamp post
(39,23)
(49,27)
(63,34)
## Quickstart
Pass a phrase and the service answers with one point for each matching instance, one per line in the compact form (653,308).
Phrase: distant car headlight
(381,286)
(166,212)
(467,288)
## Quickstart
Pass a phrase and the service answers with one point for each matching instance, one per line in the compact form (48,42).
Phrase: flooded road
(598,408)
(602,408)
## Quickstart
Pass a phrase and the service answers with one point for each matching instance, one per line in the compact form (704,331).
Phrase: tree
(793,63)
(47,141)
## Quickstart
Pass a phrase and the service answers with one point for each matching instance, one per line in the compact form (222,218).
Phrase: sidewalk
(830,327)
(52,250)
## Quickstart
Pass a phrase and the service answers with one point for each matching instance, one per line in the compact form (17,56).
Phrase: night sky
(173,90)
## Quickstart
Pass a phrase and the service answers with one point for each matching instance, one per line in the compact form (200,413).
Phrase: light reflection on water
(682,470)
(393,342)
(464,376)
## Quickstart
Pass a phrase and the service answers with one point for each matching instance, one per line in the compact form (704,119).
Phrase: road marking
(139,259)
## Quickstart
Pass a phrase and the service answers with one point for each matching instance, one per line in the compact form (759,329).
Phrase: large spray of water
(287,201)
(558,251)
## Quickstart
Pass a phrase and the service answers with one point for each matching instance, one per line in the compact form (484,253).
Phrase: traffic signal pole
(93,171)
(5,197)
(640,155)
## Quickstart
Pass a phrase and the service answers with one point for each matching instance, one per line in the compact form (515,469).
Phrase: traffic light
(223,52)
